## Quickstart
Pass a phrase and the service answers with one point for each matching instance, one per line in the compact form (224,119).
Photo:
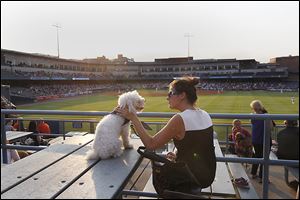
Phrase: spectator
(8,126)
(43,127)
(18,124)
(258,137)
(288,141)
(192,132)
(12,155)
(37,140)
(242,140)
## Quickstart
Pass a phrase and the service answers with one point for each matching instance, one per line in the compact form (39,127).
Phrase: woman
(258,136)
(191,130)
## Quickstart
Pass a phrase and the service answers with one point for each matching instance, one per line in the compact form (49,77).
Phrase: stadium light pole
(188,36)
(57,27)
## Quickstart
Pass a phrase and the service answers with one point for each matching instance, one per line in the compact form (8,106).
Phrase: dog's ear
(131,107)
(122,100)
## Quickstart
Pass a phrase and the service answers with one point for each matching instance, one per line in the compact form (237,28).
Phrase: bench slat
(107,178)
(76,133)
(149,188)
(15,135)
(237,171)
(40,160)
(294,171)
(53,179)
(222,184)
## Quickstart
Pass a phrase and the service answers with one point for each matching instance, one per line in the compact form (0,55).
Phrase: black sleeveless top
(197,147)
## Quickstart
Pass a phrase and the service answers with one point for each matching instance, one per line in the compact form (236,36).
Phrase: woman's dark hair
(32,127)
(186,84)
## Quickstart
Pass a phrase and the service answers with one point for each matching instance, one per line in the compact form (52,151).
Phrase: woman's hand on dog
(124,112)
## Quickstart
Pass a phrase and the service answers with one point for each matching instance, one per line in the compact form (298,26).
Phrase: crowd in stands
(247,85)
(50,74)
(64,90)
(54,74)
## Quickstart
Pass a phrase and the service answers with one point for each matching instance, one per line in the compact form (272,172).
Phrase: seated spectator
(12,155)
(43,128)
(242,140)
(243,144)
(36,140)
(288,141)
(8,126)
(18,124)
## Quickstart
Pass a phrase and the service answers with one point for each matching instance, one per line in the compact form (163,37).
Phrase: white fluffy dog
(107,143)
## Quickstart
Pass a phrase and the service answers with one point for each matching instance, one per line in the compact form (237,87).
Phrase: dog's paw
(117,154)
(128,146)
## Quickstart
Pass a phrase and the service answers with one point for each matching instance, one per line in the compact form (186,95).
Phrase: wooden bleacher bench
(62,171)
(150,189)
(76,133)
(20,171)
(14,136)
(293,171)
(69,134)
(237,170)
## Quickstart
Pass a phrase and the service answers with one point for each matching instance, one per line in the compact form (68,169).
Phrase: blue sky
(148,30)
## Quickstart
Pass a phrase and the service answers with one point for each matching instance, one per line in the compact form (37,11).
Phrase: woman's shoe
(241,182)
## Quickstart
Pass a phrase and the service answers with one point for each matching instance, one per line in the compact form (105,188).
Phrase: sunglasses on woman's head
(171,93)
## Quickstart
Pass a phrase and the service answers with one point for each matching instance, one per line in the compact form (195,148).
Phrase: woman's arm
(174,128)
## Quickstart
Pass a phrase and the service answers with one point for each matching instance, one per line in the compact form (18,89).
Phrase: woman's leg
(257,154)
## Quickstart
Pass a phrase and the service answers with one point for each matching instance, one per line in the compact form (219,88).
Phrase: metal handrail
(265,161)
(154,114)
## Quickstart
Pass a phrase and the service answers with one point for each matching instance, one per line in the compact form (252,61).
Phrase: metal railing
(158,126)
(265,161)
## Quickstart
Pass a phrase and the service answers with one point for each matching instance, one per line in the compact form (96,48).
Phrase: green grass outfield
(227,102)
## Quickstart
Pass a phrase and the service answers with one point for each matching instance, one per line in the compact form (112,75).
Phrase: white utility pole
(57,27)
(188,36)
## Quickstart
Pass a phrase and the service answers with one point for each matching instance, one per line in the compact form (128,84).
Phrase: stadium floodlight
(57,27)
(188,35)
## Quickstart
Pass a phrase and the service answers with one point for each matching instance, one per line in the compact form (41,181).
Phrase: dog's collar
(126,120)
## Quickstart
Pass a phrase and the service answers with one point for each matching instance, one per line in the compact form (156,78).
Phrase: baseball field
(226,102)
